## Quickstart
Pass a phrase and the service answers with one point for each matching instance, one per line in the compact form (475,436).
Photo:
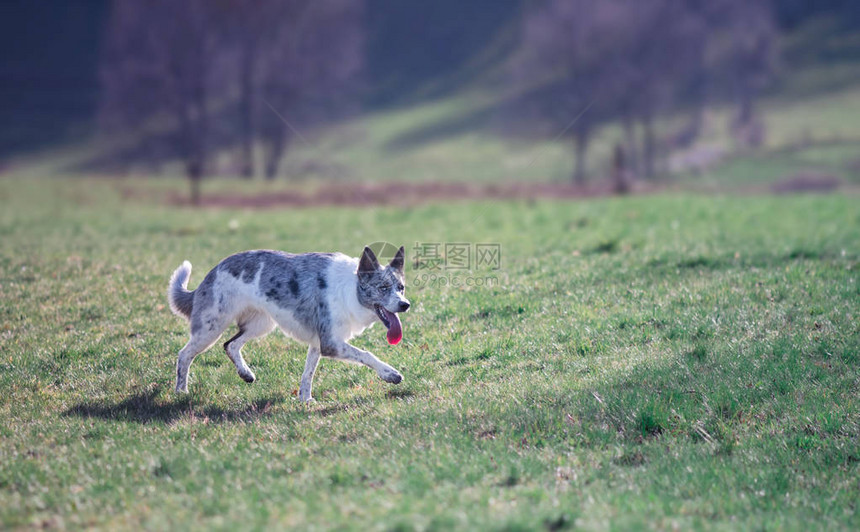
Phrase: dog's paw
(247,376)
(304,395)
(391,376)
(307,401)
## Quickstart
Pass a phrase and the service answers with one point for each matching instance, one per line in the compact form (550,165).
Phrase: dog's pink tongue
(395,330)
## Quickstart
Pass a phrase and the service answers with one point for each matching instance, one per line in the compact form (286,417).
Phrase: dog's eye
(400,287)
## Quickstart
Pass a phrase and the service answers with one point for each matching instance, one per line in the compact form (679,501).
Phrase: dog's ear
(397,261)
(368,262)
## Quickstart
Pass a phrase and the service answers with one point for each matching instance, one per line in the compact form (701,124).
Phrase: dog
(320,299)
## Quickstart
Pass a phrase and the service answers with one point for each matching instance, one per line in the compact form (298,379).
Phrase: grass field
(666,361)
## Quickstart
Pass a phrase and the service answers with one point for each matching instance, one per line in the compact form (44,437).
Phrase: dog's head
(382,290)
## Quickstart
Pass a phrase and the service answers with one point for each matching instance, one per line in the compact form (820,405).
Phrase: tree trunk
(648,146)
(630,146)
(746,98)
(194,171)
(197,128)
(620,184)
(272,163)
(277,147)
(192,131)
(246,109)
(580,147)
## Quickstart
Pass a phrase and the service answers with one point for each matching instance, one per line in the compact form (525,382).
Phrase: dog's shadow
(364,402)
(145,407)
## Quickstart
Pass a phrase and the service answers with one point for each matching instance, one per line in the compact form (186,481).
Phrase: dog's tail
(180,298)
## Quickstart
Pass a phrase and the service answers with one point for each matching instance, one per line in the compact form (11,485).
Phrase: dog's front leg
(349,353)
(308,375)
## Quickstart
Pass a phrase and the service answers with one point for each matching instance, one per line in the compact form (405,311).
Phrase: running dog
(320,299)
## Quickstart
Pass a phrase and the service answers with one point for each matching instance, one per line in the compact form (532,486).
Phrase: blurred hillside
(50,52)
(435,101)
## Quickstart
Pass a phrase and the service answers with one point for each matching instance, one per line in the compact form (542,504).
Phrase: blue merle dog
(320,299)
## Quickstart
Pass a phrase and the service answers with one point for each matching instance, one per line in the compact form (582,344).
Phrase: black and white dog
(320,299)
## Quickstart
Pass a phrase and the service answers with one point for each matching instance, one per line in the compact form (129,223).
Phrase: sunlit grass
(670,361)
(468,137)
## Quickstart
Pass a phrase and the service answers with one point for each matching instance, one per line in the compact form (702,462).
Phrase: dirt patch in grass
(399,193)
(811,181)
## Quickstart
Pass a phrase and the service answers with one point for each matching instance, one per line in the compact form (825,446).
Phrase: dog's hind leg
(251,326)
(308,375)
(202,338)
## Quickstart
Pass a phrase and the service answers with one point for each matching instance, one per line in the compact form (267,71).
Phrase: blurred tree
(306,68)
(624,58)
(743,51)
(249,23)
(632,60)
(658,54)
(159,63)
(174,71)
(300,57)
(563,55)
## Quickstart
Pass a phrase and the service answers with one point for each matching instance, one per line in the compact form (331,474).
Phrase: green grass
(667,361)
